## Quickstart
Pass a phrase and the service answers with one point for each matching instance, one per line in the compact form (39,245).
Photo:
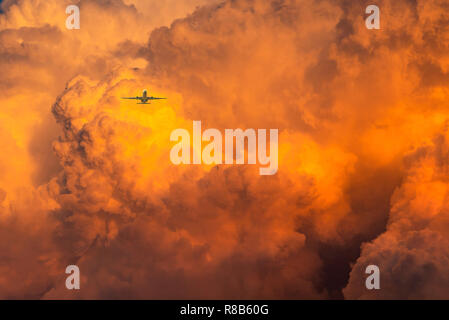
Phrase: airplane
(144,98)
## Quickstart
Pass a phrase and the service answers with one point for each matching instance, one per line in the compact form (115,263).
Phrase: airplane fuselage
(144,98)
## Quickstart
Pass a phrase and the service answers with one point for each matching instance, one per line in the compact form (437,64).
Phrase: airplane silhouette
(144,98)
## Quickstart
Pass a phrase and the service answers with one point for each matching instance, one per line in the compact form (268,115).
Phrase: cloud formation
(413,252)
(362,149)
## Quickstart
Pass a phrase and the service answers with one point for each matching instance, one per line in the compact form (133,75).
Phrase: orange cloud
(362,137)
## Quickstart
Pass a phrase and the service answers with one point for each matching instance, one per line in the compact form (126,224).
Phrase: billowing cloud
(412,253)
(91,182)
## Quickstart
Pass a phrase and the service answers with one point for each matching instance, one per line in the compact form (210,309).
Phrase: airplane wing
(134,98)
(154,98)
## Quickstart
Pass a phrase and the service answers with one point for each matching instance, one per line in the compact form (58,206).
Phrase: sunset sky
(363,166)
